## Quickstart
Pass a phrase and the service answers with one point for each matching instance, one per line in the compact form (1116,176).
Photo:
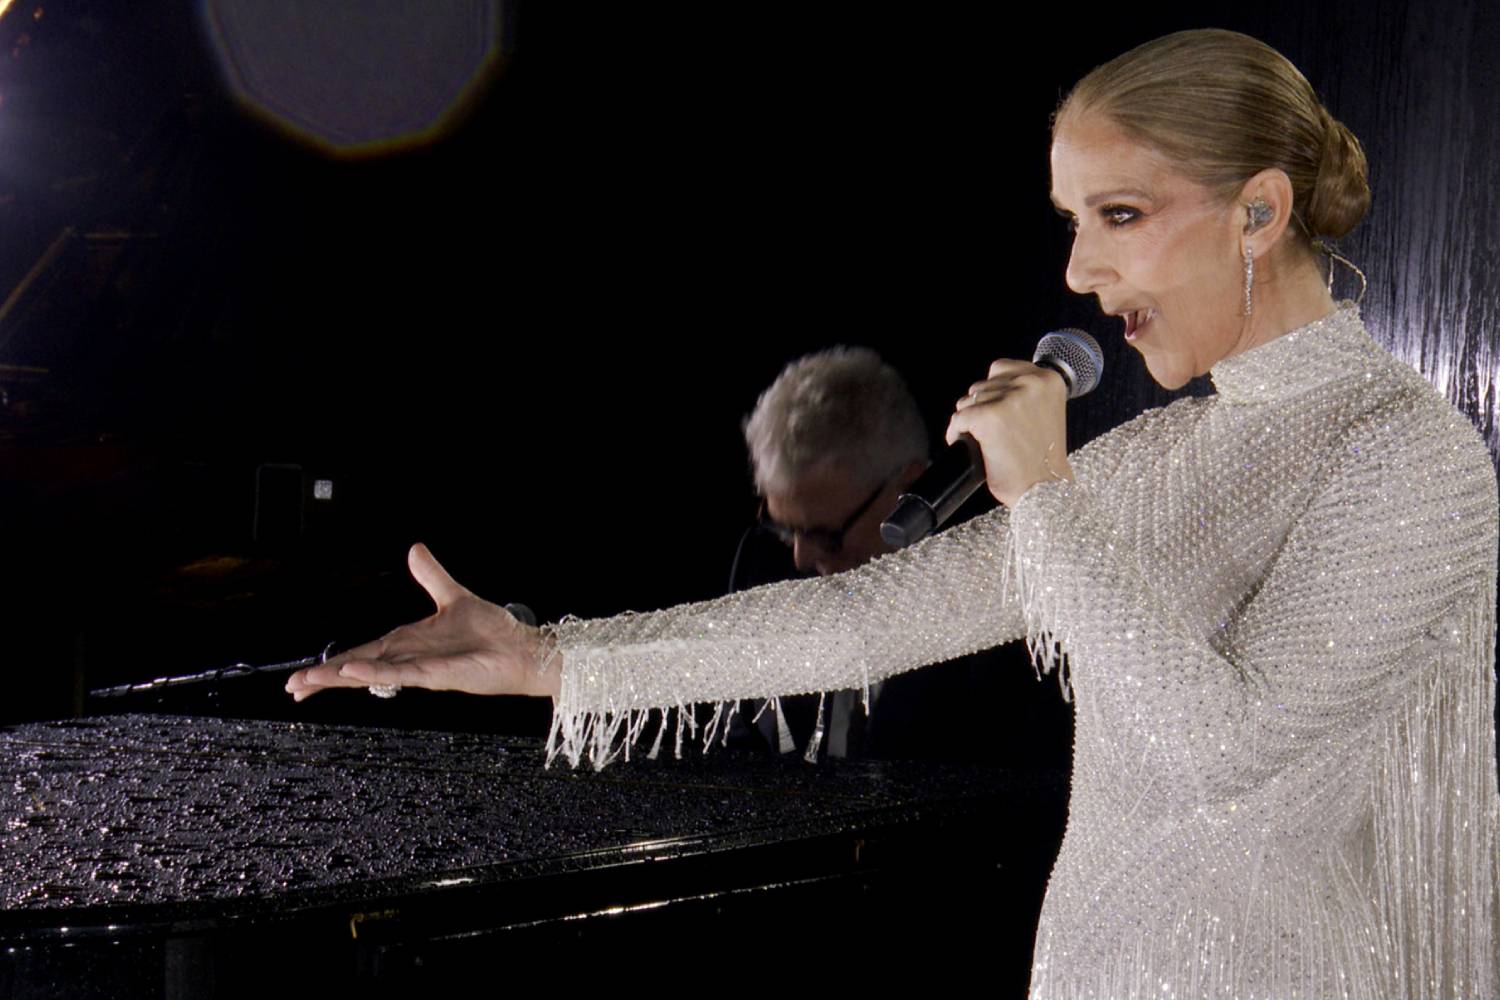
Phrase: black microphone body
(959,471)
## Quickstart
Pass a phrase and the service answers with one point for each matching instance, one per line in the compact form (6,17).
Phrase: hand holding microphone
(1009,430)
(1018,418)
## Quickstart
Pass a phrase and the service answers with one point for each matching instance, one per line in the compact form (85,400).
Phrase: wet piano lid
(183,819)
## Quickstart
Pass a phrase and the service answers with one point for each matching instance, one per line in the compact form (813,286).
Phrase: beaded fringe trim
(1432,840)
(1440,847)
(1435,845)
(602,736)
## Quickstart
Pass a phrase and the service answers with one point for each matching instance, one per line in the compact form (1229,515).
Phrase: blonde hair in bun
(1225,106)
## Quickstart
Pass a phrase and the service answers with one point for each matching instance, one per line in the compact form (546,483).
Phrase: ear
(1264,207)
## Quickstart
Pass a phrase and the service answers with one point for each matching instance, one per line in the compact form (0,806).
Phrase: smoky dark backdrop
(530,341)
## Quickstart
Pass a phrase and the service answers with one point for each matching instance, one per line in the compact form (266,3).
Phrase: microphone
(959,470)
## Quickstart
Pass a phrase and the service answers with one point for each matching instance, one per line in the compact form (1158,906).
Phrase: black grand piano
(181,857)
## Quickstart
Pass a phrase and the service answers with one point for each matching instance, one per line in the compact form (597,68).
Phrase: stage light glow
(5,8)
(357,78)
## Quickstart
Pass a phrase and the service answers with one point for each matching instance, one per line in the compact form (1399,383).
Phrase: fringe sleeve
(1335,734)
(944,597)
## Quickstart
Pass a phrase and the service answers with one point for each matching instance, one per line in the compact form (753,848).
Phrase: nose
(1086,269)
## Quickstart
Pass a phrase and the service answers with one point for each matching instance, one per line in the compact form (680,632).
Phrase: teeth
(1135,319)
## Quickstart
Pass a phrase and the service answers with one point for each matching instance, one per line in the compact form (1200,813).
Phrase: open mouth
(1136,320)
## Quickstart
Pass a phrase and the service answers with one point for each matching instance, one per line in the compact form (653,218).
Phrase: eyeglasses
(829,540)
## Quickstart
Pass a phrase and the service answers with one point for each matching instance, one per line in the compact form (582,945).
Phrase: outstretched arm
(467,644)
(943,598)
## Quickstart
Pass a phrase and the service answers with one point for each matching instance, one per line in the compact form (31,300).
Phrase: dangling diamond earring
(1249,277)
(1259,214)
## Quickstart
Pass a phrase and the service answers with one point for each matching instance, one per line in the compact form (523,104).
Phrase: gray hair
(843,404)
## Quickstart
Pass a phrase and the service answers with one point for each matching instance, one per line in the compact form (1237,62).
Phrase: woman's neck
(1290,292)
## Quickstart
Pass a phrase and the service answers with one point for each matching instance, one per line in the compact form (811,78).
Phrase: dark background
(529,339)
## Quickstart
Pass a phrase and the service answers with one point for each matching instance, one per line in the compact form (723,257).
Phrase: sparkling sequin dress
(1277,611)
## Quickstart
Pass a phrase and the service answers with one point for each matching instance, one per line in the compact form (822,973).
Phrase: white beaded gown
(1276,608)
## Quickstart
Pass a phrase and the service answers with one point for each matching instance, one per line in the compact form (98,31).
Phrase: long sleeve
(1278,616)
(945,597)
(1398,537)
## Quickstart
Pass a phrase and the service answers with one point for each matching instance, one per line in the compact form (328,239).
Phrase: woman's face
(1160,250)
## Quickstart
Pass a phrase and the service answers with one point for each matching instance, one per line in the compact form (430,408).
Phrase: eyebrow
(1103,196)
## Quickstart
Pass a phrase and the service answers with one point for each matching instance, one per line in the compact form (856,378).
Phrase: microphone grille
(1075,355)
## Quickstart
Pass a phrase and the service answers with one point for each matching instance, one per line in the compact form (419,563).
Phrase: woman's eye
(1119,215)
